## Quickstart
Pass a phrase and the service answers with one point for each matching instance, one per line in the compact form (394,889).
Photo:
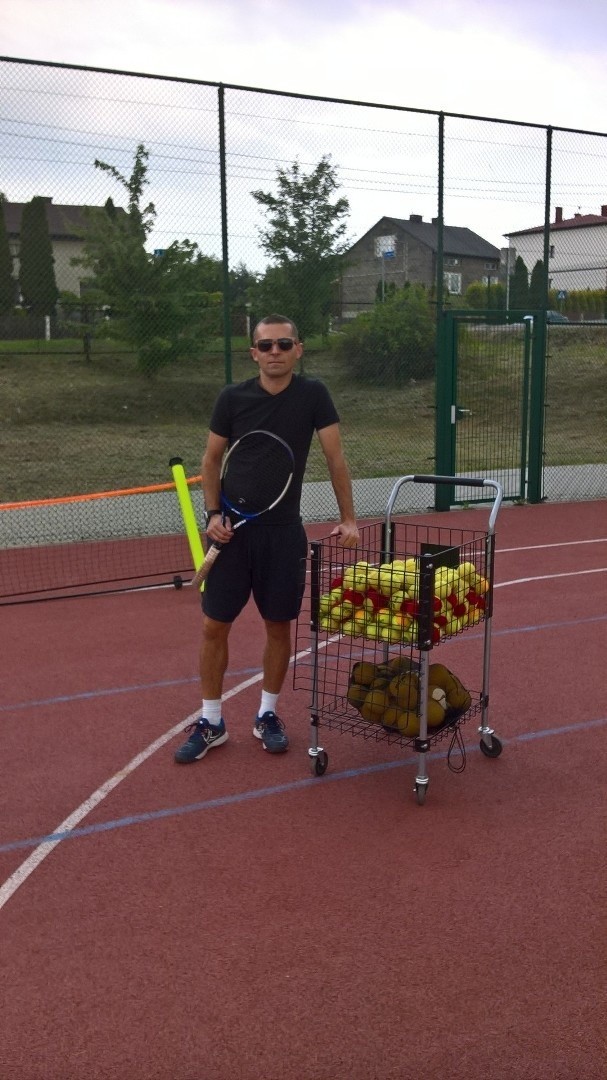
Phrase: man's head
(276,349)
(272,321)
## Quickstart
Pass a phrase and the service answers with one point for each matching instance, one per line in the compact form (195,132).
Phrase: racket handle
(204,568)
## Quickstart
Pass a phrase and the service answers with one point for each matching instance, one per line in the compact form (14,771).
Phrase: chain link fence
(449,205)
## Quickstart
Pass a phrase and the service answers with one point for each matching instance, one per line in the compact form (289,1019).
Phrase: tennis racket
(256,474)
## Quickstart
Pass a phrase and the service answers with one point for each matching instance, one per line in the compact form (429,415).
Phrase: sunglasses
(284,344)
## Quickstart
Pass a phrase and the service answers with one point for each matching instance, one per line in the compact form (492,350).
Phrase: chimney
(558,213)
(603,211)
(415,217)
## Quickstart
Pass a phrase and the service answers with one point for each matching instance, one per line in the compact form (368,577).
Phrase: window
(491,266)
(551,252)
(451,261)
(453,282)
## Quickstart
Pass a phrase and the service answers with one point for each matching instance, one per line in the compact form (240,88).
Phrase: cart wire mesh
(371,617)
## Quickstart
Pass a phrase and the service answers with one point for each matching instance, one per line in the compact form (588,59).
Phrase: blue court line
(88,694)
(83,695)
(279,789)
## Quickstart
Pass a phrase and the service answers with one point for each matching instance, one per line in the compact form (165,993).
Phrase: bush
(392,343)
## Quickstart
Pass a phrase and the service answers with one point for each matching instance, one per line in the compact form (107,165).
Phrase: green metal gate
(490,401)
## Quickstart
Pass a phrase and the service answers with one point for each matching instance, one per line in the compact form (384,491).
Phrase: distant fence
(436,198)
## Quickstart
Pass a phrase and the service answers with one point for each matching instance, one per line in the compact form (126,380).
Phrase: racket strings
(256,474)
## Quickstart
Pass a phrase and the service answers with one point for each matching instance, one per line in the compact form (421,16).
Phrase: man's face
(279,357)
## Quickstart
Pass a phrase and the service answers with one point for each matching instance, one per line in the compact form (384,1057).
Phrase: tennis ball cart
(372,620)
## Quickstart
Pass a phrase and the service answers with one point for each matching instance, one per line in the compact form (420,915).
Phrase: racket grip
(205,567)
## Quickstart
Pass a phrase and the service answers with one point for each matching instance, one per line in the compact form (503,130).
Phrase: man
(265,558)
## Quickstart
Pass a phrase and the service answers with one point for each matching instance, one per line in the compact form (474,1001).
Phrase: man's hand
(218,531)
(347,531)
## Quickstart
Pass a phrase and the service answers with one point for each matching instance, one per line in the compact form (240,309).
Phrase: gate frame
(534,397)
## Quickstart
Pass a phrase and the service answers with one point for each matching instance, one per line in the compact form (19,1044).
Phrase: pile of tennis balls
(382,602)
(389,694)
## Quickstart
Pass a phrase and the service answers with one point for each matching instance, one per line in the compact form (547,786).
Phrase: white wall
(579,260)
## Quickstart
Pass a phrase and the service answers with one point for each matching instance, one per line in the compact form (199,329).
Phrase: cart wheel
(177,581)
(494,749)
(420,793)
(319,763)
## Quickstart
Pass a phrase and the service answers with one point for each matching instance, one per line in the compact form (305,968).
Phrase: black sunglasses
(284,344)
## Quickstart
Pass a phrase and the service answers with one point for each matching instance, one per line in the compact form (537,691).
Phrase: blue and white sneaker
(203,737)
(271,731)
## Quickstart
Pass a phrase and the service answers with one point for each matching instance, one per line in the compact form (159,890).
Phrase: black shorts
(267,561)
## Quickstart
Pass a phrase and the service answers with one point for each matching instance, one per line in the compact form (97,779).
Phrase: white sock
(211,711)
(268,703)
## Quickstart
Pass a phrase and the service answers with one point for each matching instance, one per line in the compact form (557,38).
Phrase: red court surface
(240,919)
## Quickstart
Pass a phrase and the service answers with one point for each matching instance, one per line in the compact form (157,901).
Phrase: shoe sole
(216,742)
(278,750)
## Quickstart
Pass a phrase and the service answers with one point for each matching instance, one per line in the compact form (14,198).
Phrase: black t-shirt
(303,407)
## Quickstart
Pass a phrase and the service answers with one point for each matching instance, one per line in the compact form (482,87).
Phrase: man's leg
(277,653)
(213,656)
(210,729)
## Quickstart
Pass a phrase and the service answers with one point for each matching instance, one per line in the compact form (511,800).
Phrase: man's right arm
(211,471)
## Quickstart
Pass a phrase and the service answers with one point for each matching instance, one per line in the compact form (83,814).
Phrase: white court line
(549,577)
(44,849)
(543,547)
(33,861)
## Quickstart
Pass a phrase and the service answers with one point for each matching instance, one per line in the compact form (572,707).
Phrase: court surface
(240,919)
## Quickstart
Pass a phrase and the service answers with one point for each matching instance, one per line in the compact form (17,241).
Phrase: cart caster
(420,792)
(494,748)
(319,763)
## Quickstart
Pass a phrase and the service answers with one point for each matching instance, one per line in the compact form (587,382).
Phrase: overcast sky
(539,61)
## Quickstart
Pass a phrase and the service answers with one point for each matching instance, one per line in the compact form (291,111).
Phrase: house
(65,225)
(399,250)
(577,251)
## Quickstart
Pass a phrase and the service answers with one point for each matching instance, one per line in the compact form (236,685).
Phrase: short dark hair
(272,320)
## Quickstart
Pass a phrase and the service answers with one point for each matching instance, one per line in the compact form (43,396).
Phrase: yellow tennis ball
(375,704)
(391,717)
(459,699)
(356,695)
(363,673)
(403,721)
(439,675)
(405,690)
(408,723)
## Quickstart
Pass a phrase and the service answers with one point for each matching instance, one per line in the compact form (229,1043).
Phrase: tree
(303,237)
(537,286)
(7,281)
(392,343)
(480,295)
(36,262)
(519,285)
(163,305)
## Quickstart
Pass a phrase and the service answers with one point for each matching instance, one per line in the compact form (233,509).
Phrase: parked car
(555,316)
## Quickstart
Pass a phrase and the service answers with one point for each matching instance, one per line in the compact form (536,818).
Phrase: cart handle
(460,481)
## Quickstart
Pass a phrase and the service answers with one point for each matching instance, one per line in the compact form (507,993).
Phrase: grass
(67,426)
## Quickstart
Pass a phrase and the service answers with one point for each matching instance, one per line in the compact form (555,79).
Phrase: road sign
(561,294)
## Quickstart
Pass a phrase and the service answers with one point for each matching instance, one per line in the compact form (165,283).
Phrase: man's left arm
(330,440)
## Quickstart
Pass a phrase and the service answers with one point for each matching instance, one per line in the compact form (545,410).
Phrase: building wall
(412,261)
(68,277)
(363,269)
(579,260)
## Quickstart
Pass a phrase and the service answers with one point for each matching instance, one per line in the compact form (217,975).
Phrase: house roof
(578,221)
(64,222)
(456,240)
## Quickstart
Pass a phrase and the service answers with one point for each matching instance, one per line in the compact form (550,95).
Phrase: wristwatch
(208,514)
